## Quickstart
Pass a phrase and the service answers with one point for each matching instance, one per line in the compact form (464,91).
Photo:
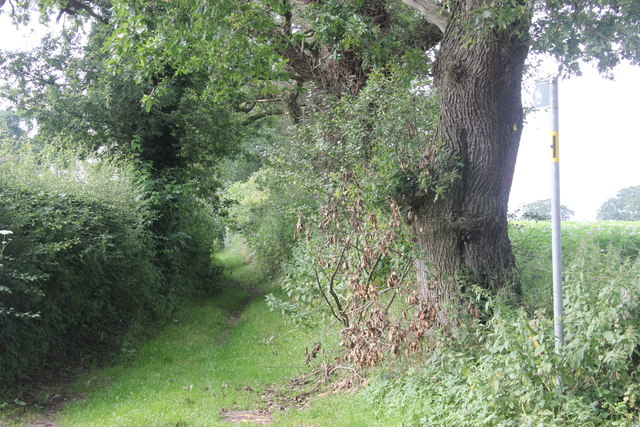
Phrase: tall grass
(532,245)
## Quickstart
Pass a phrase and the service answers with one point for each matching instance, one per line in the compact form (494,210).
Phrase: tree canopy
(241,61)
(624,207)
(540,210)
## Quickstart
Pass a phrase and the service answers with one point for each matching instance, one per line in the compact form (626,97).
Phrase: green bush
(187,231)
(300,299)
(79,266)
(73,272)
(265,211)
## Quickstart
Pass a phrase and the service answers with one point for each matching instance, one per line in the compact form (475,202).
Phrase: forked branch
(433,12)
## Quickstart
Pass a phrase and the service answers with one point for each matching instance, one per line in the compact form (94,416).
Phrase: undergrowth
(229,352)
(505,371)
(498,371)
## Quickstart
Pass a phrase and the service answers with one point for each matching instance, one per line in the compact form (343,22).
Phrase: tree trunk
(464,233)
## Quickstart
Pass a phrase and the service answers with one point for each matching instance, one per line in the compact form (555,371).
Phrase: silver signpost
(546,95)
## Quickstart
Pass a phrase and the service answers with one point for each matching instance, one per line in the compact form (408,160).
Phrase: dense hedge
(96,245)
(74,272)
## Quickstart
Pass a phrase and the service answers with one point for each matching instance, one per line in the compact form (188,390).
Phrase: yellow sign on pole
(555,147)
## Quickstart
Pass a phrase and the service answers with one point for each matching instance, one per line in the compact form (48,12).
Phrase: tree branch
(324,295)
(262,115)
(332,279)
(406,270)
(73,6)
(248,106)
(433,13)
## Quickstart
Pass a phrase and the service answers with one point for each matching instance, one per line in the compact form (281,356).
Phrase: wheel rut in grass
(254,293)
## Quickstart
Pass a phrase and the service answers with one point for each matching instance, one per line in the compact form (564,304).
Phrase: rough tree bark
(465,232)
(478,73)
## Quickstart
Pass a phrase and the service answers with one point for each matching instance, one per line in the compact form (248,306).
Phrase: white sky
(11,38)
(600,141)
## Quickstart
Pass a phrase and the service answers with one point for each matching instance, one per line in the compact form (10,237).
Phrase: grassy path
(218,355)
(214,356)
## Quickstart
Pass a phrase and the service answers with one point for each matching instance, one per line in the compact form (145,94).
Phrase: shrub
(187,231)
(265,211)
(80,264)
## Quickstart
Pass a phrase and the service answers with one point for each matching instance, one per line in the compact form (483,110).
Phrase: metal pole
(556,237)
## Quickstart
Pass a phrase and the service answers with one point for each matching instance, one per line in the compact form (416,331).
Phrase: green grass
(203,362)
(532,246)
(216,354)
(224,352)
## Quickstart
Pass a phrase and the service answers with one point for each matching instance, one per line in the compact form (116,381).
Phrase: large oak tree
(259,55)
(479,69)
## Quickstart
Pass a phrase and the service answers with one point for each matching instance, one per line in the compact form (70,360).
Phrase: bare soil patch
(258,416)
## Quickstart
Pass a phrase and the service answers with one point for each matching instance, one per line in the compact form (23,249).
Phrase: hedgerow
(80,262)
